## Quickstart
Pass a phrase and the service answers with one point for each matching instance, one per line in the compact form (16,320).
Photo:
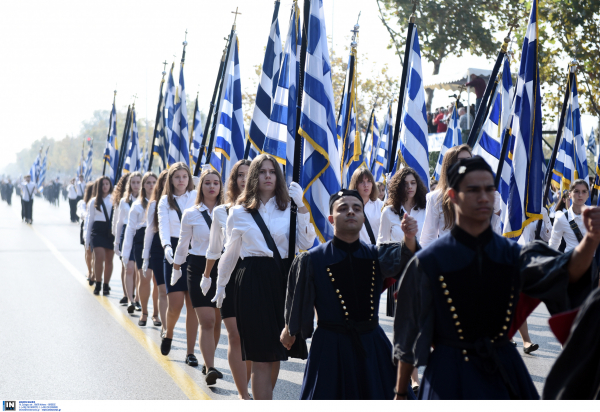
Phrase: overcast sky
(61,60)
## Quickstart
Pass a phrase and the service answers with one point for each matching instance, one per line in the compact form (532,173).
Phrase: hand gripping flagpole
(158,114)
(108,136)
(210,111)
(298,139)
(483,106)
(561,125)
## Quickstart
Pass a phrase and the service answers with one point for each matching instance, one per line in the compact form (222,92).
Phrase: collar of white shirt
(571,215)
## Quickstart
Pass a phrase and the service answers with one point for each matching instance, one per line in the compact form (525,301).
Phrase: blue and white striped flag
(489,144)
(453,138)
(111,152)
(178,144)
(132,159)
(269,78)
(413,133)
(42,176)
(34,170)
(87,170)
(197,135)
(372,144)
(381,162)
(592,143)
(525,189)
(320,175)
(169,113)
(281,129)
(161,144)
(230,134)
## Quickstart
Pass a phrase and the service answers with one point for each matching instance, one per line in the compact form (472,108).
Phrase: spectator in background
(438,121)
(479,85)
(432,184)
(430,127)
(464,120)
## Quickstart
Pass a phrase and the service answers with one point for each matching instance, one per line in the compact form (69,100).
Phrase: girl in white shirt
(578,194)
(118,193)
(260,281)
(439,212)
(239,369)
(133,245)
(195,228)
(81,212)
(153,254)
(72,195)
(179,195)
(132,191)
(363,182)
(98,236)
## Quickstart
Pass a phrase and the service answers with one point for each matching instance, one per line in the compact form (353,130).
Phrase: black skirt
(259,307)
(181,284)
(101,236)
(195,270)
(81,239)
(228,306)
(138,246)
(157,255)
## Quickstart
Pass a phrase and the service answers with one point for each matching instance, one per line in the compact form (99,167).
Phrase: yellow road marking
(182,379)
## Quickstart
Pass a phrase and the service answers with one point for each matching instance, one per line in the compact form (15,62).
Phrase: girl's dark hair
(169,189)
(128,192)
(143,195)
(120,189)
(87,192)
(358,176)
(200,195)
(579,182)
(250,197)
(233,191)
(450,158)
(562,203)
(157,193)
(98,190)
(397,190)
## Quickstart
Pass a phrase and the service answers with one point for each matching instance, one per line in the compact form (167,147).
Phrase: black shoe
(142,322)
(98,288)
(156,322)
(211,376)
(219,374)
(191,360)
(138,307)
(204,370)
(123,301)
(106,289)
(130,308)
(165,346)
(531,348)
(91,282)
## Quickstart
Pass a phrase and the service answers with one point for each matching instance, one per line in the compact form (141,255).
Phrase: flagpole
(474,133)
(347,94)
(298,139)
(158,114)
(214,122)
(123,149)
(409,34)
(109,127)
(210,110)
(561,125)
(192,131)
(368,129)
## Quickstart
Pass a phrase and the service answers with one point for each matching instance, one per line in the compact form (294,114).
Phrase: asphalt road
(59,341)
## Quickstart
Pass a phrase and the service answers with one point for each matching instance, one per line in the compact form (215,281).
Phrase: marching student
(98,236)
(239,369)
(153,254)
(362,181)
(195,228)
(258,229)
(568,224)
(133,245)
(80,188)
(73,199)
(118,193)
(179,195)
(439,211)
(81,212)
(131,192)
(28,189)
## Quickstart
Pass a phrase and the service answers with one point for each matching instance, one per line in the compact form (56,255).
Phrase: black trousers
(27,210)
(73,207)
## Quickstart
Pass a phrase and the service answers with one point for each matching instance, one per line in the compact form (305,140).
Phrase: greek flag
(111,152)
(230,141)
(453,138)
(592,143)
(413,133)
(169,112)
(525,189)
(161,144)
(197,135)
(571,160)
(34,170)
(132,159)
(281,130)
(42,176)
(266,88)
(371,145)
(320,175)
(489,144)
(178,144)
(381,161)
(87,170)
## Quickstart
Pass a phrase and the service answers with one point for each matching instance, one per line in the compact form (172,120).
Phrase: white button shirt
(94,215)
(79,188)
(373,213)
(389,228)
(217,238)
(72,192)
(193,229)
(244,238)
(81,209)
(168,221)
(150,230)
(562,229)
(136,221)
(122,218)
(433,226)
(24,193)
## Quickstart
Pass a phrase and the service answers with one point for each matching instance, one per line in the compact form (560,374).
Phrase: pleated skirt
(157,256)
(138,246)
(101,235)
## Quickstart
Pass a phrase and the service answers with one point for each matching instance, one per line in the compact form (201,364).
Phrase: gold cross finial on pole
(235,18)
